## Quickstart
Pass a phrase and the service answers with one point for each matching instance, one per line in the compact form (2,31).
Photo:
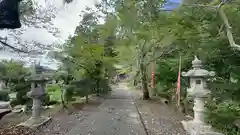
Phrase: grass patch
(54,92)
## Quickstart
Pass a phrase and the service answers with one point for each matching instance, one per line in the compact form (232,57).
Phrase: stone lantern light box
(198,78)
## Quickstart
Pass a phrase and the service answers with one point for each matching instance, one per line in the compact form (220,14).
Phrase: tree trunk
(87,98)
(144,82)
(98,86)
(63,100)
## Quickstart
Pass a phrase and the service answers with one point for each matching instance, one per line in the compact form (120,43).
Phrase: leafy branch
(12,47)
(74,62)
(228,27)
(163,53)
(223,16)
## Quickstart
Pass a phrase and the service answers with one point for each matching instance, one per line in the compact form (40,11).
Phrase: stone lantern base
(35,122)
(195,128)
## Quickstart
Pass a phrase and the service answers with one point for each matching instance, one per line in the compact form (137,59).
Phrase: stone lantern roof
(37,74)
(197,70)
(38,78)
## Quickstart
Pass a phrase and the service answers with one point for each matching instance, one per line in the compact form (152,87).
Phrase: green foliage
(88,57)
(69,92)
(54,92)
(22,88)
(166,77)
(53,88)
(12,69)
(46,100)
(166,74)
(4,96)
(89,85)
(222,116)
(224,90)
(104,86)
(83,87)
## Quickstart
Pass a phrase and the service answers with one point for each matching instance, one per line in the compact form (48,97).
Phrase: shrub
(104,86)
(21,96)
(54,92)
(82,87)
(53,88)
(4,96)
(69,92)
(222,116)
(14,103)
(46,100)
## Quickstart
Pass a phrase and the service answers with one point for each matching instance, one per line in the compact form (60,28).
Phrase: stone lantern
(2,84)
(38,84)
(199,91)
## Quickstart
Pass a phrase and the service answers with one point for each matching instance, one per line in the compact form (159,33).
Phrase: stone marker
(237,123)
(2,84)
(198,90)
(5,108)
(37,93)
(5,105)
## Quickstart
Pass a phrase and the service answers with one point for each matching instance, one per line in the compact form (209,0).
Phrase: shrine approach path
(122,113)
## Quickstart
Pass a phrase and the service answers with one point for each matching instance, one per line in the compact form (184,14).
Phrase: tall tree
(139,26)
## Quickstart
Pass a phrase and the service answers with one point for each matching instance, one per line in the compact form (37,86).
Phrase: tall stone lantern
(38,84)
(199,91)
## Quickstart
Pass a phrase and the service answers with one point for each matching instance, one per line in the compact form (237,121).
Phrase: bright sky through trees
(171,4)
(66,21)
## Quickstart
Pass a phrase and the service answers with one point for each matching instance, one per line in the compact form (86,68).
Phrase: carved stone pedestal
(195,128)
(35,122)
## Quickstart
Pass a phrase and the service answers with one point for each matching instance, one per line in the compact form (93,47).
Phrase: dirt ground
(8,124)
(160,119)
(60,123)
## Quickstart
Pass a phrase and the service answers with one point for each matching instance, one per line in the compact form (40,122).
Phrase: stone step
(5,105)
(3,112)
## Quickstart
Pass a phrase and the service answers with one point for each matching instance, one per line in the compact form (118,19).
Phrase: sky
(171,4)
(66,21)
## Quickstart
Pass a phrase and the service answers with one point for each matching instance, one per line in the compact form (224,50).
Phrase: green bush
(21,96)
(54,92)
(104,86)
(14,103)
(46,100)
(53,88)
(82,87)
(4,96)
(69,92)
(222,116)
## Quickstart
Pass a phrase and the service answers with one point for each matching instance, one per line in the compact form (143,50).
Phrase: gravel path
(160,119)
(116,116)
(64,122)
(122,113)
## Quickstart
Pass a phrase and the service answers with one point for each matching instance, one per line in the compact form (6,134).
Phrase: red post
(153,76)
